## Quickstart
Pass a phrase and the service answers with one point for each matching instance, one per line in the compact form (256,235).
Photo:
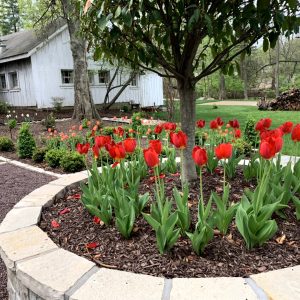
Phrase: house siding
(23,95)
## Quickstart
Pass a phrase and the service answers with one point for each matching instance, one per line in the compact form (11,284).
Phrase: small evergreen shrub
(39,154)
(6,144)
(242,147)
(250,134)
(136,120)
(54,156)
(72,162)
(49,122)
(4,107)
(25,143)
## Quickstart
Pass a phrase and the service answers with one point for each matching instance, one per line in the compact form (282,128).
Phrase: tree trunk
(244,77)
(222,87)
(188,114)
(277,69)
(84,106)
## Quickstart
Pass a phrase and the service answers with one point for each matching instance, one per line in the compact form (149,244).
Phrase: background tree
(10,20)
(177,35)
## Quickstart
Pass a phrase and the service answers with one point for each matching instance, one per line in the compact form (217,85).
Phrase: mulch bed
(14,185)
(224,256)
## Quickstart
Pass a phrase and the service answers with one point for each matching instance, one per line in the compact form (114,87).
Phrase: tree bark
(277,69)
(187,96)
(222,87)
(244,77)
(84,106)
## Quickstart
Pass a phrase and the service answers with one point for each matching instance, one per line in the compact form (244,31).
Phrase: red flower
(263,124)
(92,245)
(156,145)
(271,143)
(199,156)
(119,131)
(158,129)
(296,133)
(114,164)
(287,127)
(179,140)
(237,133)
(219,121)
(151,157)
(109,145)
(223,151)
(96,151)
(129,145)
(117,152)
(200,123)
(96,220)
(55,224)
(267,150)
(169,126)
(234,123)
(102,140)
(213,124)
(83,148)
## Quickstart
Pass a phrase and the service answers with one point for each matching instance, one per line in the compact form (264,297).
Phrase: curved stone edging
(38,269)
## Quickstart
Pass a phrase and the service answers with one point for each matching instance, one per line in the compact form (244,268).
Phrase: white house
(33,70)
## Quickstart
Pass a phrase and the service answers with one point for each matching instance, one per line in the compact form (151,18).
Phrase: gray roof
(19,43)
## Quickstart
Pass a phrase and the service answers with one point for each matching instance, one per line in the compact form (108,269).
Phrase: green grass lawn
(241,113)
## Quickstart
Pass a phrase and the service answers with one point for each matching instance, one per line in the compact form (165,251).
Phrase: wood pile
(289,100)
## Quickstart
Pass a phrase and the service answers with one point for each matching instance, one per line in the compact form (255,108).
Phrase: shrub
(215,107)
(107,130)
(85,123)
(12,123)
(72,162)
(39,154)
(25,143)
(136,120)
(49,121)
(57,103)
(250,135)
(54,156)
(4,107)
(242,147)
(6,144)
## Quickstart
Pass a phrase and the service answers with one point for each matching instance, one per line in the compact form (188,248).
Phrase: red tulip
(237,133)
(287,127)
(266,150)
(109,145)
(234,123)
(158,129)
(263,124)
(200,123)
(102,140)
(179,140)
(219,121)
(199,156)
(96,151)
(83,148)
(213,124)
(271,143)
(156,145)
(223,151)
(296,133)
(151,157)
(119,131)
(169,126)
(129,145)
(117,152)
(96,220)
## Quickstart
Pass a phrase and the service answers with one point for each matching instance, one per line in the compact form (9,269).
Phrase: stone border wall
(38,269)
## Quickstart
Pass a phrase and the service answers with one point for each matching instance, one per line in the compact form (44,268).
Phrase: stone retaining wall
(38,269)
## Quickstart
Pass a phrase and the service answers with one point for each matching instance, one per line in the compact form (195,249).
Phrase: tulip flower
(151,157)
(263,124)
(102,140)
(179,140)
(129,145)
(213,124)
(169,126)
(296,133)
(219,121)
(119,131)
(96,151)
(199,156)
(158,129)
(237,133)
(223,151)
(83,148)
(117,152)
(200,123)
(234,123)
(267,150)
(287,127)
(156,145)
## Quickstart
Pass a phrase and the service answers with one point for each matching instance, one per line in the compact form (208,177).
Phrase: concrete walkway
(231,103)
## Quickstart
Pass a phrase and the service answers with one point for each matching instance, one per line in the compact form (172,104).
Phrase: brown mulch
(224,256)
(14,185)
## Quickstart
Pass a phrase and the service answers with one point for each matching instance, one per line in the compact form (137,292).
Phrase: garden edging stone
(39,270)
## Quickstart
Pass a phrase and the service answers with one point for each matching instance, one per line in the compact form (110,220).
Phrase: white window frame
(63,77)
(5,80)
(10,80)
(91,75)
(106,77)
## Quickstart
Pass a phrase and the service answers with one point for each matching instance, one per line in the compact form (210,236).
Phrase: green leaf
(152,222)
(265,44)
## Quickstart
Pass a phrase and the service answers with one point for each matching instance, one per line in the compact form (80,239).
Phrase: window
(134,81)
(13,80)
(91,76)
(67,76)
(3,85)
(104,76)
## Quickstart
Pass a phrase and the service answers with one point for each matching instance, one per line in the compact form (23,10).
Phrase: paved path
(231,103)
